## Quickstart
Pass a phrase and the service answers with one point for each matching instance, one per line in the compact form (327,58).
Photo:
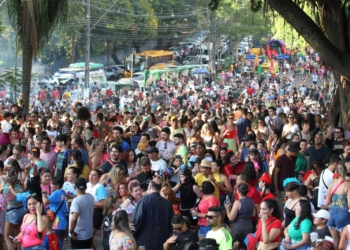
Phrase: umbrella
(200,71)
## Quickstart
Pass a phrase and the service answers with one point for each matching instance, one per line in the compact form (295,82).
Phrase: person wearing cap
(157,163)
(175,128)
(284,168)
(80,217)
(272,121)
(245,146)
(207,175)
(320,221)
(166,146)
(265,183)
(35,162)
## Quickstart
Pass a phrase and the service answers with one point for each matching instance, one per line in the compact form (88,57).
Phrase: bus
(147,60)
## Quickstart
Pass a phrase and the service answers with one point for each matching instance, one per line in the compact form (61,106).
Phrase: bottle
(193,211)
(227,200)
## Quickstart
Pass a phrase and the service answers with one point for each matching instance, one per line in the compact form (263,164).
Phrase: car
(46,81)
(110,73)
(191,60)
(119,70)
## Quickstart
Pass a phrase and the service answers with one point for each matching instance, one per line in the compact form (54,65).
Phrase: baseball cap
(34,150)
(248,138)
(323,214)
(80,183)
(173,118)
(152,150)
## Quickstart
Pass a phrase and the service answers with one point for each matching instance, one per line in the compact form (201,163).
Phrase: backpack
(264,168)
(53,241)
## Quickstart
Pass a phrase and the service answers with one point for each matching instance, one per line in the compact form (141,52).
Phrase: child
(51,241)
(320,221)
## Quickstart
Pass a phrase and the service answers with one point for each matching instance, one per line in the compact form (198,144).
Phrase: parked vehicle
(110,73)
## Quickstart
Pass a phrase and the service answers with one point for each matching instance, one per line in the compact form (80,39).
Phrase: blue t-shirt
(56,199)
(101,193)
(39,164)
(22,197)
(85,157)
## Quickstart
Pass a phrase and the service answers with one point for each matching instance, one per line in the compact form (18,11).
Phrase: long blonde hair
(114,173)
(108,204)
(209,127)
(95,143)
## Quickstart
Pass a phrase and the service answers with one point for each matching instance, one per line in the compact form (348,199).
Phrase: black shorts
(81,244)
(98,218)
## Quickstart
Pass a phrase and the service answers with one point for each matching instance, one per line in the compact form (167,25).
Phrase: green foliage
(12,78)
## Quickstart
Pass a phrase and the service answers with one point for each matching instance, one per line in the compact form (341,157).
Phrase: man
(166,146)
(175,128)
(157,163)
(17,155)
(272,121)
(118,138)
(78,143)
(38,129)
(63,156)
(80,217)
(146,173)
(114,158)
(247,141)
(181,235)
(305,131)
(318,151)
(207,175)
(284,168)
(35,162)
(243,124)
(152,218)
(181,149)
(218,232)
(338,142)
(48,155)
(326,178)
(200,153)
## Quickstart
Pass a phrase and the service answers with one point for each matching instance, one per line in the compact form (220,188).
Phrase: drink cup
(313,236)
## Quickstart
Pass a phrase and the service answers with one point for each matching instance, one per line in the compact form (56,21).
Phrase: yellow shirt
(200,178)
(84,174)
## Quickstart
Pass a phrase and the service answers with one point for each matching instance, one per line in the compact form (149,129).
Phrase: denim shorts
(203,230)
(14,215)
(340,217)
(39,247)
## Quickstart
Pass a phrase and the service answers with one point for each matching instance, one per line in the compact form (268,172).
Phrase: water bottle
(227,200)
(193,211)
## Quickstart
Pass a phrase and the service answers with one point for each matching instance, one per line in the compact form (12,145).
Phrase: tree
(327,30)
(34,22)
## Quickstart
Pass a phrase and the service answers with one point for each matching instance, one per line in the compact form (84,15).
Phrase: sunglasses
(231,118)
(177,228)
(210,217)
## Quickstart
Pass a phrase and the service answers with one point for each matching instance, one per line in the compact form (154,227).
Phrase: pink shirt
(204,206)
(30,234)
(49,157)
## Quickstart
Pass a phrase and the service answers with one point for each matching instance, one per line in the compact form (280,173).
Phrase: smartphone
(146,118)
(11,237)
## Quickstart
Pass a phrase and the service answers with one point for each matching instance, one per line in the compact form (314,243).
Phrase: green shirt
(222,237)
(297,234)
(301,163)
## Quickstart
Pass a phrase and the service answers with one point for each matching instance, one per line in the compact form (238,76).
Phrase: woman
(314,179)
(34,225)
(195,136)
(290,128)
(241,215)
(68,186)
(130,157)
(111,179)
(250,170)
(263,129)
(167,193)
(15,136)
(15,211)
(229,134)
(78,163)
(51,130)
(208,200)
(291,186)
(302,162)
(96,153)
(256,130)
(135,192)
(189,193)
(135,135)
(346,152)
(122,192)
(280,148)
(215,148)
(99,192)
(338,197)
(269,226)
(297,234)
(28,136)
(273,139)
(121,237)
(208,136)
(45,180)
(5,152)
(265,183)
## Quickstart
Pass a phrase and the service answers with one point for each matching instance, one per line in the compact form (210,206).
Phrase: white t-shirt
(287,128)
(159,165)
(166,148)
(325,180)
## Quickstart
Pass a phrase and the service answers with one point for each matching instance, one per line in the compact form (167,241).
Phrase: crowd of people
(249,162)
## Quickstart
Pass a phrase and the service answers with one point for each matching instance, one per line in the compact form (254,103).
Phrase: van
(240,51)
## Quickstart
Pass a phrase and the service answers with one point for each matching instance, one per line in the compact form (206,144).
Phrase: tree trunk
(27,50)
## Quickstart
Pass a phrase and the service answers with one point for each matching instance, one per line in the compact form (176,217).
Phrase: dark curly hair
(207,187)
(249,169)
(189,181)
(292,186)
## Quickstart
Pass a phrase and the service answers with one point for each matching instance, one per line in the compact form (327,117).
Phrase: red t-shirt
(234,170)
(275,224)
(267,196)
(252,194)
(204,206)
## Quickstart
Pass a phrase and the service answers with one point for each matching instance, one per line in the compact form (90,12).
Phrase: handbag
(51,214)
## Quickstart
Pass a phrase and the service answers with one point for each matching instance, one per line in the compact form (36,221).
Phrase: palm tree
(34,21)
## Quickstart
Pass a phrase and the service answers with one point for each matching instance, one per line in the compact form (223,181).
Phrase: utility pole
(214,44)
(87,52)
